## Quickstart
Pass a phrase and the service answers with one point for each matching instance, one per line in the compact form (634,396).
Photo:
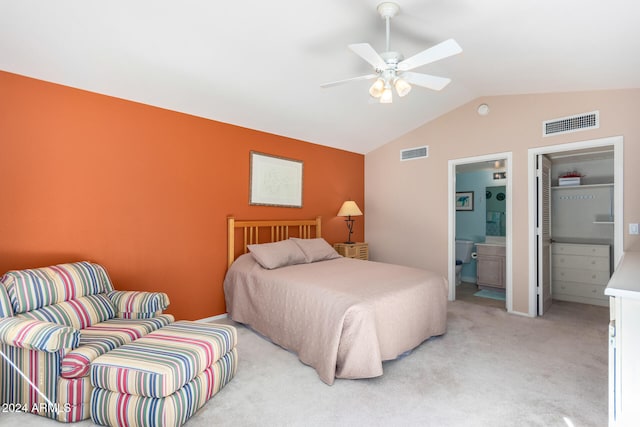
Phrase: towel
(493,216)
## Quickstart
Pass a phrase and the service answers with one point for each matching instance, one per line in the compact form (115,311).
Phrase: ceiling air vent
(571,124)
(414,153)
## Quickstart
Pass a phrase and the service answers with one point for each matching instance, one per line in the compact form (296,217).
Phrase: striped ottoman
(163,378)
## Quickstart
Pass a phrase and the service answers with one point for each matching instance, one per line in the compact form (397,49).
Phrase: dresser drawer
(580,275)
(561,288)
(580,261)
(577,249)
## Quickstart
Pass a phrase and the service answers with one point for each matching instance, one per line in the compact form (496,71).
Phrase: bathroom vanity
(491,267)
(491,255)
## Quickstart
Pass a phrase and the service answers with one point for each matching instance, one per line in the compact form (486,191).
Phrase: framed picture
(464,201)
(275,181)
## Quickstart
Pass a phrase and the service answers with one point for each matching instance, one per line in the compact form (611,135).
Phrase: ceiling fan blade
(425,80)
(440,51)
(366,52)
(352,79)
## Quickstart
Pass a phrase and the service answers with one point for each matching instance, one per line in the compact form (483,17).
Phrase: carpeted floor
(490,369)
(466,292)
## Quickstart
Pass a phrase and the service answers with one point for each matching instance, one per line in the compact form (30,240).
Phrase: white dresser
(624,343)
(580,272)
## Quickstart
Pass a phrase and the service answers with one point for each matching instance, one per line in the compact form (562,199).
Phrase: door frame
(508,156)
(618,205)
(543,245)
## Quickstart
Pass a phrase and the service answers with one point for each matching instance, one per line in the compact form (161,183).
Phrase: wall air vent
(569,124)
(414,153)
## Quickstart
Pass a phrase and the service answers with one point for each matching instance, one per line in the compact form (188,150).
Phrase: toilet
(464,248)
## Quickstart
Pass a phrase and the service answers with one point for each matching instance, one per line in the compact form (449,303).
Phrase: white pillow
(277,254)
(316,249)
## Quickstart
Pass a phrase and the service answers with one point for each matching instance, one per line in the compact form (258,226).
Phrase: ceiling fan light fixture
(391,68)
(387,95)
(402,87)
(377,88)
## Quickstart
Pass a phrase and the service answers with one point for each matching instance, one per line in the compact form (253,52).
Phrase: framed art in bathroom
(464,201)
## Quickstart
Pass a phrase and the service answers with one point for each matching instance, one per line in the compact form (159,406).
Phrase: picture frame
(275,181)
(464,200)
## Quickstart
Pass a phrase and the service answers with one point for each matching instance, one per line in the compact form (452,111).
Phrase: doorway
(501,221)
(540,264)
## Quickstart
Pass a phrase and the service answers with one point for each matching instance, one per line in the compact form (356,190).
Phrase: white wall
(406,202)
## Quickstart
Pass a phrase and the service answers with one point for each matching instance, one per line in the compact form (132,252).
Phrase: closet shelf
(603,219)
(555,187)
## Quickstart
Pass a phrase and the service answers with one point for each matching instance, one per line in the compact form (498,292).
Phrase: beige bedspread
(343,316)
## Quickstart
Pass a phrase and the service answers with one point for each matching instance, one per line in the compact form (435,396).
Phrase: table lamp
(349,209)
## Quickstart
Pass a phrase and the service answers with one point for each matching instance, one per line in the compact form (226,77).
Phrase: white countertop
(495,240)
(625,281)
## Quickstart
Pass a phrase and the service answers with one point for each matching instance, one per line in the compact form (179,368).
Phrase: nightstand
(358,250)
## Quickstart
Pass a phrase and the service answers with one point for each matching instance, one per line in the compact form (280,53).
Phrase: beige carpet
(490,369)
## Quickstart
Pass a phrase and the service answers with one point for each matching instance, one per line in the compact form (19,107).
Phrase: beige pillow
(277,254)
(316,249)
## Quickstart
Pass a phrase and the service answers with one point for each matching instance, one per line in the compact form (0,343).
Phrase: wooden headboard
(269,231)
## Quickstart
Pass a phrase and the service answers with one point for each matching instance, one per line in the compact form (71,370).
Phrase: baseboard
(468,279)
(214,318)
(519,313)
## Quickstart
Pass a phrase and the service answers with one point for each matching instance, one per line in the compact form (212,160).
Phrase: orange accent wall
(142,190)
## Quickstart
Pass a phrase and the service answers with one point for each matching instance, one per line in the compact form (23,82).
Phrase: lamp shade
(349,208)
(402,87)
(376,88)
(387,96)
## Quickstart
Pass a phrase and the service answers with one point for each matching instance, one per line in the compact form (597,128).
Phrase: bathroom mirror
(495,210)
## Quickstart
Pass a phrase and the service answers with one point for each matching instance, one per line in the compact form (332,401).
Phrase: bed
(341,316)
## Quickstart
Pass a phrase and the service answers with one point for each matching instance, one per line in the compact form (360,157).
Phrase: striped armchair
(54,321)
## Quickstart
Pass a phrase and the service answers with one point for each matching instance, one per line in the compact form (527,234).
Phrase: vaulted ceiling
(259,65)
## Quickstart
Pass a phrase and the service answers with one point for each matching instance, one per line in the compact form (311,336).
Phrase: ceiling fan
(392,70)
